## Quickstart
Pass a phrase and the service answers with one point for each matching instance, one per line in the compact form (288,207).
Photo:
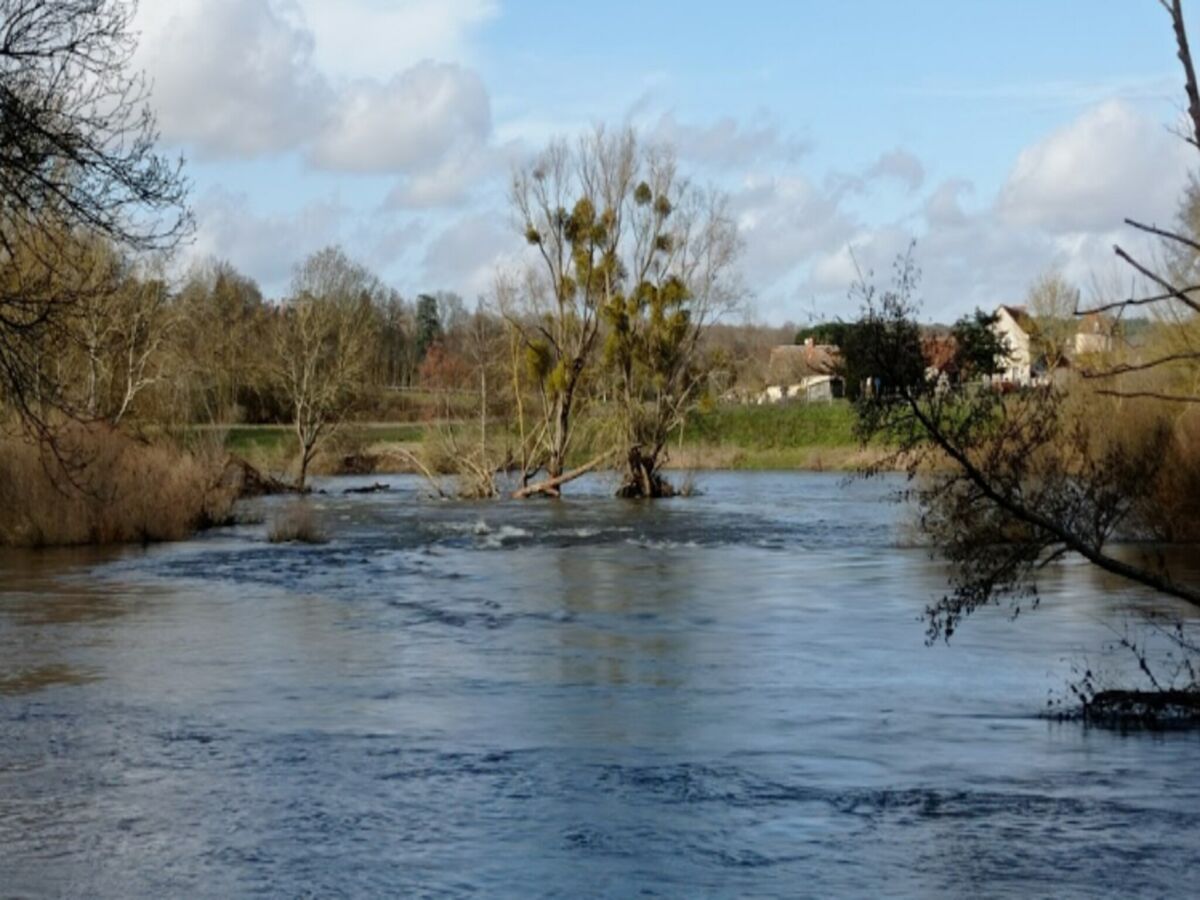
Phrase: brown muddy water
(728,695)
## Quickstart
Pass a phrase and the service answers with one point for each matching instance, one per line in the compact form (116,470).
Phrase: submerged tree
(682,255)
(627,249)
(569,203)
(77,162)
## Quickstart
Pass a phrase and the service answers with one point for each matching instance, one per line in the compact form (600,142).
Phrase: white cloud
(465,255)
(1061,207)
(240,79)
(232,77)
(901,166)
(378,37)
(1110,163)
(266,247)
(412,122)
(727,143)
(943,207)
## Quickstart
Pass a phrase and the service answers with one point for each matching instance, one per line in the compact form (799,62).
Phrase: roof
(791,362)
(939,351)
(1019,314)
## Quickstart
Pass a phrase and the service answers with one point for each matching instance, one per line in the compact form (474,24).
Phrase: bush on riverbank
(98,486)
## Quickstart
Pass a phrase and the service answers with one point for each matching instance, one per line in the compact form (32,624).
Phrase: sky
(1008,139)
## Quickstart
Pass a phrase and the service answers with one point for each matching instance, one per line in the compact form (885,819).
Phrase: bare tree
(77,157)
(324,347)
(1170,291)
(1052,303)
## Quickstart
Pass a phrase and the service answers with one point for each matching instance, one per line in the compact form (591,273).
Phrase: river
(725,695)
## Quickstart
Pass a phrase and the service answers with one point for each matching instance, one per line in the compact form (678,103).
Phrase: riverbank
(791,437)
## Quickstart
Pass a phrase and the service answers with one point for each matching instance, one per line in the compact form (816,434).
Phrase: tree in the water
(77,164)
(615,236)
(685,246)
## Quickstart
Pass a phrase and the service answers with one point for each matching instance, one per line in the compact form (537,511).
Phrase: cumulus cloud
(464,256)
(368,38)
(1061,207)
(265,246)
(240,79)
(232,77)
(410,122)
(901,166)
(1110,163)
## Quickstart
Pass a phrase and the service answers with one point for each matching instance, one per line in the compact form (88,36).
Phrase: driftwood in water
(550,487)
(1147,709)
(375,488)
(246,481)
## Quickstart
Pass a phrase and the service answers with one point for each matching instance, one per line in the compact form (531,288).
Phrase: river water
(727,695)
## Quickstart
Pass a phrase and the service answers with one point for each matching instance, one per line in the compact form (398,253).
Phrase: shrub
(95,485)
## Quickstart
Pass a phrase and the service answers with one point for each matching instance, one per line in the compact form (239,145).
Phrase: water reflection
(33,680)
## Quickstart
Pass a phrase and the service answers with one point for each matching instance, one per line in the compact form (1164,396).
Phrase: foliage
(979,350)
(99,486)
(429,324)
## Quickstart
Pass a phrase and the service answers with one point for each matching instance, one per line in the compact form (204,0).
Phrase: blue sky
(1009,138)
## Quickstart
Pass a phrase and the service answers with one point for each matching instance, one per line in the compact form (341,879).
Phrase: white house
(1015,328)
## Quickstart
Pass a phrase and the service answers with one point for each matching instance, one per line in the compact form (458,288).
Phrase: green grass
(280,438)
(783,427)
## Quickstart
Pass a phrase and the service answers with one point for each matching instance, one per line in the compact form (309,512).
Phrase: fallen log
(550,487)
(375,488)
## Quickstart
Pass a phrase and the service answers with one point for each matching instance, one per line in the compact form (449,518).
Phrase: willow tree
(77,159)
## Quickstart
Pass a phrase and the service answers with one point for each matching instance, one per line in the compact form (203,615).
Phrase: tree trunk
(550,487)
(642,478)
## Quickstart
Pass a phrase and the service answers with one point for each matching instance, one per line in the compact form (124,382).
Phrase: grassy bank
(785,436)
(817,436)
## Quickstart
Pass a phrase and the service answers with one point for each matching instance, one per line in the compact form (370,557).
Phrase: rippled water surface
(722,696)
